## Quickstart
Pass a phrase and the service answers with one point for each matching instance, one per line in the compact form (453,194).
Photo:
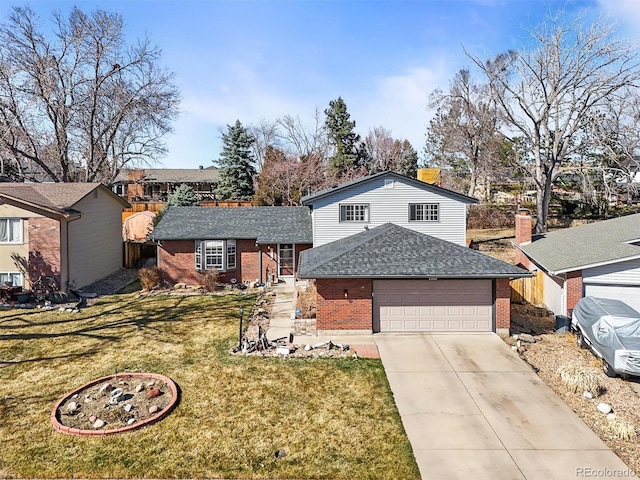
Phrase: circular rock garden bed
(115,404)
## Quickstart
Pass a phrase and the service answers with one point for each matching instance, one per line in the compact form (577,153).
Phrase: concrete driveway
(473,409)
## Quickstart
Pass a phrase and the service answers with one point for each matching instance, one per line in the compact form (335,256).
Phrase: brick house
(70,231)
(599,259)
(245,244)
(389,254)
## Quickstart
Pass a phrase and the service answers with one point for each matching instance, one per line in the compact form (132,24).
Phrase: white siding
(623,273)
(95,239)
(620,281)
(554,294)
(388,205)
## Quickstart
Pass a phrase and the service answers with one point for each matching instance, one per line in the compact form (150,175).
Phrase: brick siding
(176,260)
(503,303)
(44,249)
(573,289)
(334,311)
(523,236)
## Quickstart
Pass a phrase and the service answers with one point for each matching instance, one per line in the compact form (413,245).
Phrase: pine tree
(183,196)
(348,155)
(236,164)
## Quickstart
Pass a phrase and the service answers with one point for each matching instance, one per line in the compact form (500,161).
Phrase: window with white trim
(215,254)
(10,230)
(11,279)
(424,212)
(354,212)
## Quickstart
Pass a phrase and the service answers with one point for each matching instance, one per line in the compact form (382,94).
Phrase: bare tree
(266,134)
(383,152)
(546,94)
(463,132)
(615,130)
(81,104)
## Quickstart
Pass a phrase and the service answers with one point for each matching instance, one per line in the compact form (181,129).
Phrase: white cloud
(399,103)
(627,12)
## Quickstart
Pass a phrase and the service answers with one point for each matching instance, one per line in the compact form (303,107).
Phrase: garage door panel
(627,294)
(443,305)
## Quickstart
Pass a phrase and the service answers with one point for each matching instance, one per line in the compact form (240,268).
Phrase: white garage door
(432,305)
(629,295)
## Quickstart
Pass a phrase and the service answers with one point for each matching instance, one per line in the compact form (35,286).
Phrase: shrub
(209,280)
(491,216)
(149,277)
(307,302)
(622,429)
(578,379)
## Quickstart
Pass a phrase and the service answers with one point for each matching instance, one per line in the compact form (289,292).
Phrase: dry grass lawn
(328,418)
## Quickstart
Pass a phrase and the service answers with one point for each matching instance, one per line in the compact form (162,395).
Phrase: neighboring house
(156,184)
(245,244)
(599,259)
(389,255)
(71,231)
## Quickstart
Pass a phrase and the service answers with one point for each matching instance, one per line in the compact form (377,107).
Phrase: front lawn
(326,418)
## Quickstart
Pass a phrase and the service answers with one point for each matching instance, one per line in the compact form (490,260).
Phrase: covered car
(611,329)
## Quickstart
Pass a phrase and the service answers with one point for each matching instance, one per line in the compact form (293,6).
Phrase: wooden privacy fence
(528,289)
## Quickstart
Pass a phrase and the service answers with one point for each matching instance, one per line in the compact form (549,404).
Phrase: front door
(286,265)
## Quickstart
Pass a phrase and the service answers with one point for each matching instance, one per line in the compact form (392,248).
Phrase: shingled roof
(173,175)
(265,224)
(309,199)
(391,251)
(56,198)
(588,245)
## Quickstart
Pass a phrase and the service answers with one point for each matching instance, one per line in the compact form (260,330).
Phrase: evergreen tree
(236,164)
(349,155)
(183,196)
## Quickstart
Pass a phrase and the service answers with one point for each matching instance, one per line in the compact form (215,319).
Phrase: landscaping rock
(72,407)
(93,418)
(154,409)
(139,388)
(106,388)
(154,392)
(98,424)
(587,395)
(128,407)
(131,421)
(525,337)
(604,408)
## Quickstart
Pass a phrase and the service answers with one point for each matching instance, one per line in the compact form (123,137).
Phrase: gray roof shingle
(391,251)
(173,175)
(591,244)
(55,197)
(309,199)
(265,224)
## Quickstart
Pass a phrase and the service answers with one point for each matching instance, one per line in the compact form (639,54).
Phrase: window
(11,279)
(10,230)
(424,212)
(354,213)
(210,254)
(231,254)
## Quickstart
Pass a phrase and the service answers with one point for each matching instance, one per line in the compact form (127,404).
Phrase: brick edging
(98,433)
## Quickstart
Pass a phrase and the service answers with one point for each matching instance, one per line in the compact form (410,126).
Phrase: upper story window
(215,254)
(424,212)
(354,212)
(10,230)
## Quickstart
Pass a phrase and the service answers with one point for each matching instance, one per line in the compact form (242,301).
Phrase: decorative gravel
(551,351)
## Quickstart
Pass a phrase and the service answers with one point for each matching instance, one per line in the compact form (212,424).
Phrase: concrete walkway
(473,409)
(280,326)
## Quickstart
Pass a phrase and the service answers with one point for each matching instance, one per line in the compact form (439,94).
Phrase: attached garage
(392,279)
(629,294)
(419,305)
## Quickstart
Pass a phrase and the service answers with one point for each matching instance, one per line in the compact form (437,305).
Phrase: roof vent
(388,183)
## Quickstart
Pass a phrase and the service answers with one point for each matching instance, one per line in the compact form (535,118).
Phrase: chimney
(523,236)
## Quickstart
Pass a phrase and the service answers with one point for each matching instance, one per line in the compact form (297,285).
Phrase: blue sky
(259,59)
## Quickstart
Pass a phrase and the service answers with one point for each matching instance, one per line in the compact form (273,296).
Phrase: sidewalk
(280,326)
